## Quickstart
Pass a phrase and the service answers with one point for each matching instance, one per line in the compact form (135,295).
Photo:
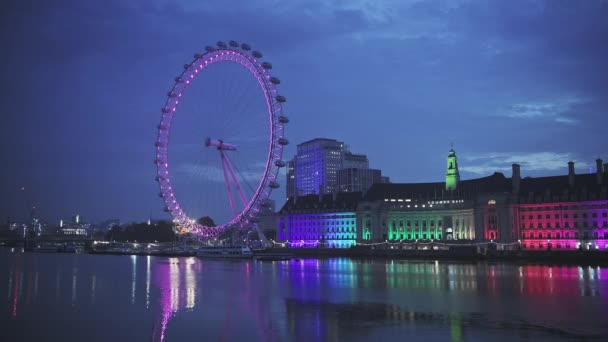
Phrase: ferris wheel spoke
(228,188)
(236,182)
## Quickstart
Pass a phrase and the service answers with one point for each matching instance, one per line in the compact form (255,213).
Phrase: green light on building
(452,177)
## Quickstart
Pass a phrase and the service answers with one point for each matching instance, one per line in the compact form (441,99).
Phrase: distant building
(76,227)
(267,217)
(315,168)
(291,179)
(357,179)
(354,161)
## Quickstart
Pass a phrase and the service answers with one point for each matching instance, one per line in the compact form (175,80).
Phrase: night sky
(504,81)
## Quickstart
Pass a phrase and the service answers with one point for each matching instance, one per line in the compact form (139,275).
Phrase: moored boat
(46,248)
(224,252)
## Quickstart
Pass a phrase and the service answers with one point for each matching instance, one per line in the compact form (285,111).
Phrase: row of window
(319,230)
(575,215)
(321,223)
(566,235)
(320,237)
(566,207)
(540,225)
(422,236)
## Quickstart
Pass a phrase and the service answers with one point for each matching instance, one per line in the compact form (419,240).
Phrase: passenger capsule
(167,210)
(161,127)
(160,144)
(178,80)
(172,94)
(165,110)
(222,44)
(283,141)
(273,185)
(280,98)
(209,48)
(161,195)
(275,80)
(280,163)
(283,119)
(266,65)
(186,66)
(197,56)
(245,47)
(256,54)
(233,43)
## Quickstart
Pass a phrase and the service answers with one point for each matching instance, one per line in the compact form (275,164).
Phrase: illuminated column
(452,177)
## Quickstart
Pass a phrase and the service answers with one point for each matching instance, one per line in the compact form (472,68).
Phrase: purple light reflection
(177,283)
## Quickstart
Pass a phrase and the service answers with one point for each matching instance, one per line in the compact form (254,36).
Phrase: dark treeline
(142,232)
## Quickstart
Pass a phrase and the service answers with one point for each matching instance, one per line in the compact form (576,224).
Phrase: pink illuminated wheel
(236,145)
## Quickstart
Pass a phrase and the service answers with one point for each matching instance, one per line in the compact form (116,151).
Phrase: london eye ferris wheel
(220,140)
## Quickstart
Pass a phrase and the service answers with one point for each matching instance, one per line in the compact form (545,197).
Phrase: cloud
(561,110)
(488,163)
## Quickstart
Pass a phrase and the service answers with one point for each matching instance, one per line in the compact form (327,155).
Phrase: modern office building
(357,179)
(315,168)
(316,165)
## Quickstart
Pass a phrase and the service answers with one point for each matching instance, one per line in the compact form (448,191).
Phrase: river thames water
(82,297)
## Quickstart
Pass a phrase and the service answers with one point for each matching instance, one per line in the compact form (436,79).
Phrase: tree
(206,221)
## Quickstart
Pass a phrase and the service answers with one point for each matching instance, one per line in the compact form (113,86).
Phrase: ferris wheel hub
(220,144)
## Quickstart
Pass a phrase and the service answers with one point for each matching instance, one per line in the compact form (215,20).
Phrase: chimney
(571,173)
(515,179)
(599,171)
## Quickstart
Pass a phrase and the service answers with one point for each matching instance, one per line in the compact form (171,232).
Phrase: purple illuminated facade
(315,221)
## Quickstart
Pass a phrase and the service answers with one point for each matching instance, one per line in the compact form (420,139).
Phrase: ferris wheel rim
(276,140)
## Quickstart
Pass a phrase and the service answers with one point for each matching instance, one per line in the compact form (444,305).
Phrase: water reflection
(308,299)
(178,287)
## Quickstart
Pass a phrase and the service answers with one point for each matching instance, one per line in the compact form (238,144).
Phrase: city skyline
(505,82)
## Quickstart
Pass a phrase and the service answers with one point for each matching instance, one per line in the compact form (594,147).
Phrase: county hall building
(565,212)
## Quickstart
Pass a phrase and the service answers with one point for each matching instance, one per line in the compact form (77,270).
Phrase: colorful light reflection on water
(71,297)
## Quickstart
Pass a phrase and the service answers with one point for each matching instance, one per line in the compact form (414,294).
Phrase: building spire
(452,176)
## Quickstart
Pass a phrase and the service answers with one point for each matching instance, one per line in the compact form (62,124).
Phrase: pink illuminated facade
(564,225)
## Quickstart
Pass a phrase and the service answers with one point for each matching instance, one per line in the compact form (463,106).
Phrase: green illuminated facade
(409,219)
(452,177)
